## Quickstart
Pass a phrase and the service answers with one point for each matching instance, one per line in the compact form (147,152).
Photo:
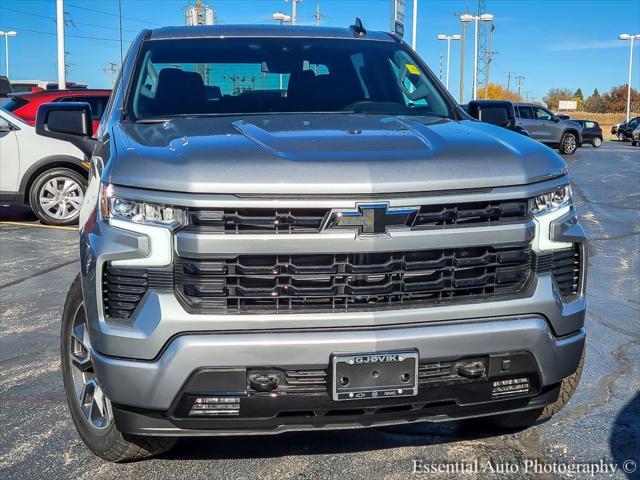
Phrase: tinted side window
(14,103)
(525,112)
(589,124)
(542,114)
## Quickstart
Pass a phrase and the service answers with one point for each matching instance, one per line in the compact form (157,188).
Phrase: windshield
(280,75)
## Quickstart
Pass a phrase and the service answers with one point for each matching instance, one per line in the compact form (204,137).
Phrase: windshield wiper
(152,120)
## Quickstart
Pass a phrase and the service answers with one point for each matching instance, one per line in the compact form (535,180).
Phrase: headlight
(116,207)
(551,201)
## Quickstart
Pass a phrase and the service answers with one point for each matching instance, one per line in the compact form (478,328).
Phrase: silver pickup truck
(297,228)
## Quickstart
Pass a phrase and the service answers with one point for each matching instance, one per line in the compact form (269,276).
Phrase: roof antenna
(357,28)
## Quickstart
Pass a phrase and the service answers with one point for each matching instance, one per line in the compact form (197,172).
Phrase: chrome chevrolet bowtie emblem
(371,218)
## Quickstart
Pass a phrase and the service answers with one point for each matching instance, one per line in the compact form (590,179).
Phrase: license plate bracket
(374,375)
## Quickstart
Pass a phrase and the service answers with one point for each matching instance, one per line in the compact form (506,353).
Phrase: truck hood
(324,154)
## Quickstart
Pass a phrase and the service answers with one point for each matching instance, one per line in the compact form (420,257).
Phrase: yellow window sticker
(412,69)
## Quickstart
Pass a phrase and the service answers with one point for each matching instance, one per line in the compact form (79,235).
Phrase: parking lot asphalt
(601,423)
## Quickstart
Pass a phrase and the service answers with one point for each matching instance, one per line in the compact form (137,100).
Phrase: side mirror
(497,113)
(556,119)
(69,122)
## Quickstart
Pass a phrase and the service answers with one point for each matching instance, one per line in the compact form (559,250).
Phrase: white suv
(47,174)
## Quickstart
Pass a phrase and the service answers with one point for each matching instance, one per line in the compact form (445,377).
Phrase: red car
(25,105)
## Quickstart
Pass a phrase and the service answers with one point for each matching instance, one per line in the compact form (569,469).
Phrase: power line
(75,23)
(102,12)
(68,35)
(26,13)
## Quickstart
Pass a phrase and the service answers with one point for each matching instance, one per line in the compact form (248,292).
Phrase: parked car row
(539,123)
(47,174)
(624,131)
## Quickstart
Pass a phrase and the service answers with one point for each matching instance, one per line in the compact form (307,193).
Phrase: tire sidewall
(40,181)
(562,148)
(597,142)
(98,440)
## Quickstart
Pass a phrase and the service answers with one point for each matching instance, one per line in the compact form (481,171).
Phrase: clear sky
(552,43)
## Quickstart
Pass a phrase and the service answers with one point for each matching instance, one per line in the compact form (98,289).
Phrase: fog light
(511,387)
(215,406)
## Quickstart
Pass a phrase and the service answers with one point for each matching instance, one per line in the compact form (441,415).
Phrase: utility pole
(509,75)
(490,54)
(440,67)
(317,16)
(294,10)
(519,81)
(112,70)
(199,12)
(62,82)
(120,29)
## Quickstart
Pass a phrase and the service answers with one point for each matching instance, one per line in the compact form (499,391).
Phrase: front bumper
(155,384)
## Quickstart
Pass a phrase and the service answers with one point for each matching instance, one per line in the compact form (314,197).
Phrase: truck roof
(217,31)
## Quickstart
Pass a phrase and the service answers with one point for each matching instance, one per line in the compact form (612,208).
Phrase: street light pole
(475,58)
(464,34)
(6,48)
(414,33)
(626,36)
(448,38)
(62,84)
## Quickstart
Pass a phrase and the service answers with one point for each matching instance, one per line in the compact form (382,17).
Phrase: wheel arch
(573,131)
(47,163)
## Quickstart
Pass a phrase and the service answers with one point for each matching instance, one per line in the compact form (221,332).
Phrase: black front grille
(289,283)
(122,290)
(266,220)
(565,265)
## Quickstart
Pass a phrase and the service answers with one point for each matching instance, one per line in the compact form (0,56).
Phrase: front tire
(89,406)
(568,144)
(622,137)
(531,417)
(596,142)
(56,196)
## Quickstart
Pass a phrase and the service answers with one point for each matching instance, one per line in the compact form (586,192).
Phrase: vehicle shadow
(328,442)
(624,441)
(16,214)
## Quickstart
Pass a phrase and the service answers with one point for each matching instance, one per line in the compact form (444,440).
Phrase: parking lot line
(26,224)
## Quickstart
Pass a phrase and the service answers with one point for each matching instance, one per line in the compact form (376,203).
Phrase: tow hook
(263,382)
(470,370)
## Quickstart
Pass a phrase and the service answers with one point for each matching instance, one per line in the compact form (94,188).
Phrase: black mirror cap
(67,121)
(495,112)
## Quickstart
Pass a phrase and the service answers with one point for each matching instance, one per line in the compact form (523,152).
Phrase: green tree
(594,103)
(578,94)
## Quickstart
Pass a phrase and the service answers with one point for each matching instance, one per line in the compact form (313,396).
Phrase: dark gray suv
(297,228)
(548,128)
